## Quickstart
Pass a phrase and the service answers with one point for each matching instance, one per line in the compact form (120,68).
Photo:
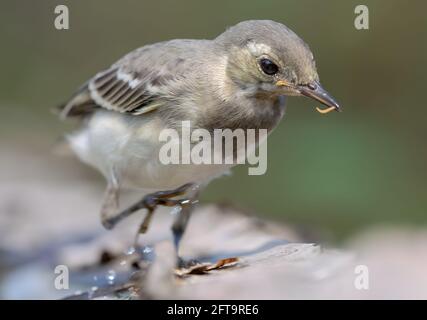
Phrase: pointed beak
(315,91)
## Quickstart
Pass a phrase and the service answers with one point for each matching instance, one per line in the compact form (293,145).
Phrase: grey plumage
(142,80)
(238,80)
(177,74)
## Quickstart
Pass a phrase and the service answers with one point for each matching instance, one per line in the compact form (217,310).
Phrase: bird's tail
(80,104)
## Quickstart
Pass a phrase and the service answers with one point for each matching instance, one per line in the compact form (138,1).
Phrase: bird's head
(266,58)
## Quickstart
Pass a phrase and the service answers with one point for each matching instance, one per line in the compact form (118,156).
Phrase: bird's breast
(129,147)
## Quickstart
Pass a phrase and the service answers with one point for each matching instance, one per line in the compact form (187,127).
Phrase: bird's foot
(150,202)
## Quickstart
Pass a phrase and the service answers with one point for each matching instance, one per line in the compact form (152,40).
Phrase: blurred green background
(335,173)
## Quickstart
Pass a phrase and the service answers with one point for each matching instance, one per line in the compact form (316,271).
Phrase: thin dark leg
(150,202)
(178,229)
(180,224)
(110,204)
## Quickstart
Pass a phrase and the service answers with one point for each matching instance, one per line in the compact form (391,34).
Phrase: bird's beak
(315,91)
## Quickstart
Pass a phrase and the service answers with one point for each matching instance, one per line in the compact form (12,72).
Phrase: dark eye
(268,66)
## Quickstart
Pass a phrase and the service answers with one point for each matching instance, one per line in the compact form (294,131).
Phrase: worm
(325,111)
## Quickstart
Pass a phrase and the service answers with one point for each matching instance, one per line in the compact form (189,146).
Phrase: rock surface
(49,217)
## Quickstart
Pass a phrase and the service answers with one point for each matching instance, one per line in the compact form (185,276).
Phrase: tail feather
(80,104)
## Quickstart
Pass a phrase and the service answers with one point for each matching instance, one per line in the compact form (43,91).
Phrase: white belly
(127,148)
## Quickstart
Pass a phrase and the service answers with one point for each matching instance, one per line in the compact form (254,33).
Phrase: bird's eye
(268,67)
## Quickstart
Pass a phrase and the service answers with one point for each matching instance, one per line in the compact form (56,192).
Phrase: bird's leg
(110,204)
(178,229)
(150,202)
(180,224)
(163,198)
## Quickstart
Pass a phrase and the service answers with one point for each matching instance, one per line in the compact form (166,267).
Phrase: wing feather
(140,82)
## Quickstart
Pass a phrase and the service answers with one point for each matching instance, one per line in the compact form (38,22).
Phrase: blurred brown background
(336,173)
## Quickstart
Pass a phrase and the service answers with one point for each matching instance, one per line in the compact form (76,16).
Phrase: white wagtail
(237,80)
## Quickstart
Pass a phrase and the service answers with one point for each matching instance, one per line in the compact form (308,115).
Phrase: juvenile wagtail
(238,80)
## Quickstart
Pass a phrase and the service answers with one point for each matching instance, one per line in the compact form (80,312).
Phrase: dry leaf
(204,268)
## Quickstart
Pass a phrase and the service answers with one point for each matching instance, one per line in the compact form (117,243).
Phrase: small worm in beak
(325,111)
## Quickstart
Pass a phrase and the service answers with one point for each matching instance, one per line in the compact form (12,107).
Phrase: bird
(239,80)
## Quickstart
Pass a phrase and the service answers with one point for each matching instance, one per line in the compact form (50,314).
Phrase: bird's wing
(135,84)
